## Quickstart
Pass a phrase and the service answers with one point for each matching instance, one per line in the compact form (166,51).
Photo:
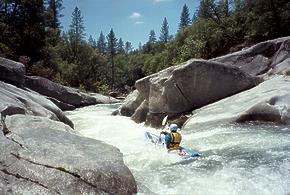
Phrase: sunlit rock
(62,93)
(189,86)
(260,59)
(14,100)
(268,102)
(41,156)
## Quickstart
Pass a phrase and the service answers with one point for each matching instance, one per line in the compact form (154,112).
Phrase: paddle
(164,121)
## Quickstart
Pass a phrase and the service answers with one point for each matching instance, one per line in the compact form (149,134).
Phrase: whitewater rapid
(236,159)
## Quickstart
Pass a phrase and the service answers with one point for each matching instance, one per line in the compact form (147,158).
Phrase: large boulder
(130,104)
(12,72)
(194,84)
(14,100)
(40,156)
(268,102)
(140,114)
(64,94)
(260,59)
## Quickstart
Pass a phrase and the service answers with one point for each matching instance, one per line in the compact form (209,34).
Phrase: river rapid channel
(236,159)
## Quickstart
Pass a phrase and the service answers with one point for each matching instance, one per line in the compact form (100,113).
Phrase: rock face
(268,102)
(61,93)
(191,85)
(101,99)
(39,156)
(12,72)
(260,59)
(14,100)
(131,103)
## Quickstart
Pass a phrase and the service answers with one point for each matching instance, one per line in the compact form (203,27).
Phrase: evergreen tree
(205,9)
(184,18)
(101,44)
(120,47)
(53,13)
(92,42)
(164,32)
(152,37)
(76,31)
(112,50)
(128,47)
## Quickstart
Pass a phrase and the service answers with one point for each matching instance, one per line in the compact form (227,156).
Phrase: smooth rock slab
(267,102)
(41,156)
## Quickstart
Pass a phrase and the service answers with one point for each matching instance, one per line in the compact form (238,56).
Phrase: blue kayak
(184,153)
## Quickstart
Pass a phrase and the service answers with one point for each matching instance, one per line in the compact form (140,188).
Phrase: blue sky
(131,19)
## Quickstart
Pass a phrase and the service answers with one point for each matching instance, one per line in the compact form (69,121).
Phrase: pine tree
(152,37)
(92,42)
(112,50)
(76,31)
(164,32)
(53,13)
(120,47)
(205,9)
(184,18)
(128,47)
(101,44)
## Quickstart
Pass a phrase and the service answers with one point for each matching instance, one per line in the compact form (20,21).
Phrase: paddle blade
(164,120)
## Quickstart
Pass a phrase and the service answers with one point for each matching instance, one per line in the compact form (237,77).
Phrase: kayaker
(172,138)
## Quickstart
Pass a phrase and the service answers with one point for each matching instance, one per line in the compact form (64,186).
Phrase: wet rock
(40,156)
(191,85)
(12,72)
(14,100)
(140,114)
(61,93)
(131,103)
(61,105)
(267,102)
(101,99)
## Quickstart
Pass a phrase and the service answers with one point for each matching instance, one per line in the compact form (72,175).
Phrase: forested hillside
(31,33)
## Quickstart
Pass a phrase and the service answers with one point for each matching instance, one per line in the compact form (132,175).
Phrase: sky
(131,20)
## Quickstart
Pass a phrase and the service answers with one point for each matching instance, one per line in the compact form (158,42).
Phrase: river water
(236,159)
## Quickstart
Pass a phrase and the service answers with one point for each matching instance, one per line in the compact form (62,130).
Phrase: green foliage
(102,88)
(184,18)
(82,88)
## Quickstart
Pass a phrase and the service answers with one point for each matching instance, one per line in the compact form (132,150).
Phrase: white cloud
(139,22)
(158,1)
(135,15)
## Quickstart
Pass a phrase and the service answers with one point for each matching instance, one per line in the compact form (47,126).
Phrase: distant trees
(101,44)
(185,17)
(112,50)
(164,32)
(30,30)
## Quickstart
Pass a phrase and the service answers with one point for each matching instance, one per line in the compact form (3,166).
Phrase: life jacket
(175,141)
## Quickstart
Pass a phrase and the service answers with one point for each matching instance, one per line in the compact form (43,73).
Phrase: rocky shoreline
(41,153)
(256,77)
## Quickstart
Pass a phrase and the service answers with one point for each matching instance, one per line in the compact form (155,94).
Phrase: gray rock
(194,84)
(40,156)
(12,72)
(101,99)
(268,102)
(140,114)
(14,100)
(61,93)
(131,103)
(259,59)
(61,105)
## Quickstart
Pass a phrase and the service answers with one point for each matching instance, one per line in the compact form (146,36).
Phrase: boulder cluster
(40,151)
(252,83)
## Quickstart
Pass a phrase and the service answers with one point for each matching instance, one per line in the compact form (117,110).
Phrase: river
(236,159)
